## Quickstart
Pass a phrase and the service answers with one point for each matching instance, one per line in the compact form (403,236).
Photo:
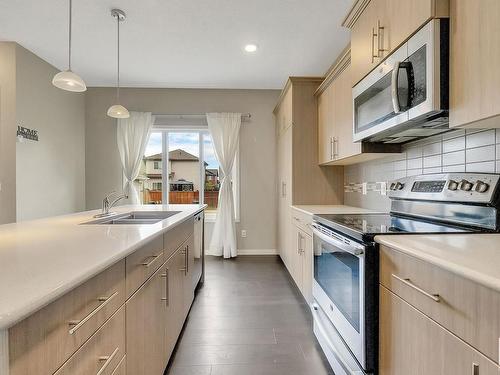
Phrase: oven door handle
(314,308)
(356,251)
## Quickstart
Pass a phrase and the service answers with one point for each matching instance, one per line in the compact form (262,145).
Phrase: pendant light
(117,110)
(68,80)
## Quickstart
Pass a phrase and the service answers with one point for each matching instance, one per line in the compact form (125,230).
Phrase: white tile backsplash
(485,153)
(480,139)
(474,150)
(452,158)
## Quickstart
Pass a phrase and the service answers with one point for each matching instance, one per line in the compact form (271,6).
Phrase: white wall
(50,173)
(257,148)
(7,132)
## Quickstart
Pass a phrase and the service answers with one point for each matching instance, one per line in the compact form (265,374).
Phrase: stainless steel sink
(135,217)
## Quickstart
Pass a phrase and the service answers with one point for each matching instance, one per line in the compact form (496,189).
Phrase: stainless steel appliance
(406,96)
(346,259)
(199,250)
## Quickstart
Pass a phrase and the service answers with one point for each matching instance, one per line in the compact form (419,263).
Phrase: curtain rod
(188,115)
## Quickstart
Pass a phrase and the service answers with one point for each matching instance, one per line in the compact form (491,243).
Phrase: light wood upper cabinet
(474,56)
(413,344)
(380,26)
(335,121)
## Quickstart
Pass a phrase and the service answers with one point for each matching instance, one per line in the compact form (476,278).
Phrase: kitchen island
(42,262)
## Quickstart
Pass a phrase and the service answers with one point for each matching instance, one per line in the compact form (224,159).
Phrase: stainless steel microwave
(406,96)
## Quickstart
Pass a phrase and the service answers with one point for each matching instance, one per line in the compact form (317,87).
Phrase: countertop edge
(466,273)
(22,312)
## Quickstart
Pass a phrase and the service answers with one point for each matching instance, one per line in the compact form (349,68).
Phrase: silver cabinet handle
(187,259)
(374,56)
(331,148)
(407,282)
(107,360)
(380,39)
(167,292)
(335,148)
(153,259)
(79,323)
(475,369)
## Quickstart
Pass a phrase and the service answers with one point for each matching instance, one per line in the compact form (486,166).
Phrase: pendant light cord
(118,62)
(69,35)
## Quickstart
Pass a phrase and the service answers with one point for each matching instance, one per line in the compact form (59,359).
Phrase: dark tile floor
(248,319)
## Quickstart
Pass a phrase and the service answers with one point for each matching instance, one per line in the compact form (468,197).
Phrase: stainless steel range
(346,259)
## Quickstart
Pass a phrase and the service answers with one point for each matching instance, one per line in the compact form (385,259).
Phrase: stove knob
(481,187)
(465,185)
(452,185)
(399,186)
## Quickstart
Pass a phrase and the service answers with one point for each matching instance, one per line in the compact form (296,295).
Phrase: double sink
(135,217)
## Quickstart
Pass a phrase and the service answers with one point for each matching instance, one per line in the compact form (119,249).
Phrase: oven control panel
(450,187)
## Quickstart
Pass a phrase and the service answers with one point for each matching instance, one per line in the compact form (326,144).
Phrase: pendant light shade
(68,80)
(117,110)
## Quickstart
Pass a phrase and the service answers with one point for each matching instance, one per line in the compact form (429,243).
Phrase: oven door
(338,286)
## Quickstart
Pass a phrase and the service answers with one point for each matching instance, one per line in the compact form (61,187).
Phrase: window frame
(202,134)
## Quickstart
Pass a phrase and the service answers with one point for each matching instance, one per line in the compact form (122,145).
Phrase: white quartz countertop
(472,256)
(331,209)
(41,260)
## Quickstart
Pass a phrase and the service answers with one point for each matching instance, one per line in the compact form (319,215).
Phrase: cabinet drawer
(413,344)
(469,310)
(177,235)
(302,220)
(102,353)
(42,342)
(143,263)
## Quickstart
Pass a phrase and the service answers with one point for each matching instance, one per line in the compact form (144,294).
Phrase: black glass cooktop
(366,226)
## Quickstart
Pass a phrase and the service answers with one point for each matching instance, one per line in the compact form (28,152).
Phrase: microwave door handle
(333,241)
(395,87)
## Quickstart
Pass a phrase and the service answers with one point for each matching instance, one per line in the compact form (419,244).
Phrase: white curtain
(132,137)
(224,129)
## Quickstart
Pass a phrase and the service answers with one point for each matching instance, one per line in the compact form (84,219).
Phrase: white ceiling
(183,43)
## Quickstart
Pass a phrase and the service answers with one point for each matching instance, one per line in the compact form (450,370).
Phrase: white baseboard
(257,252)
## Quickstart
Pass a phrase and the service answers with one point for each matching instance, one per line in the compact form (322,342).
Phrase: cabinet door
(364,42)
(399,20)
(296,256)
(326,103)
(474,53)
(189,274)
(146,326)
(307,266)
(284,193)
(173,300)
(344,145)
(413,344)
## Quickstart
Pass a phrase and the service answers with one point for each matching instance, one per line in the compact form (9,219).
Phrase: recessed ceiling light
(251,48)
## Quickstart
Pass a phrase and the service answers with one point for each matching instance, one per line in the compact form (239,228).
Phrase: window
(191,173)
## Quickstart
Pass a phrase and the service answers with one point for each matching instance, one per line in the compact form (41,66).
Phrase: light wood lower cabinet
(42,342)
(102,353)
(126,320)
(147,326)
(300,264)
(413,344)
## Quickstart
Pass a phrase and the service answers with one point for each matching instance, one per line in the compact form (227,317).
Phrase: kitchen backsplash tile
(474,150)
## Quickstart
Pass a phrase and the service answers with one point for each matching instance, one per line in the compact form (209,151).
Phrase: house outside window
(191,174)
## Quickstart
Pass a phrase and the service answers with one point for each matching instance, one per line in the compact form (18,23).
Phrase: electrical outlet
(243,233)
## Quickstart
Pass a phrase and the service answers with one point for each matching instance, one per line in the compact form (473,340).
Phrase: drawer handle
(108,359)
(167,296)
(153,259)
(434,297)
(79,323)
(475,369)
